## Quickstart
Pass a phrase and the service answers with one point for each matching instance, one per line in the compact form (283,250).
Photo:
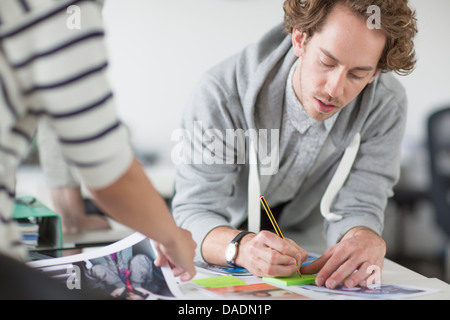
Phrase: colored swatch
(293,280)
(218,282)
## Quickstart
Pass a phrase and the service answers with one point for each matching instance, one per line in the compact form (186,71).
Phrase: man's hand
(349,259)
(264,254)
(267,255)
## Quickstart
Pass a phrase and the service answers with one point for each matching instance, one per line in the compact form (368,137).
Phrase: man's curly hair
(397,21)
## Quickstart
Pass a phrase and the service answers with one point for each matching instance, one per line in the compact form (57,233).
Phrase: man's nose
(335,84)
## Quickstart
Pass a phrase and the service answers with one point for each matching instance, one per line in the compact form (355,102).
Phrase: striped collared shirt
(53,64)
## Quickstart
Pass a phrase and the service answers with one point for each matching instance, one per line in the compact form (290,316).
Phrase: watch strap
(239,236)
(235,242)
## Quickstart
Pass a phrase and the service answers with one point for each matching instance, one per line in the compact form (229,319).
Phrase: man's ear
(298,42)
(375,75)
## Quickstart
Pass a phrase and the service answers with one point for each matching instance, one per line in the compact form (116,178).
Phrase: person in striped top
(50,69)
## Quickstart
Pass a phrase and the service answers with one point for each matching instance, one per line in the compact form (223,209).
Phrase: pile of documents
(29,229)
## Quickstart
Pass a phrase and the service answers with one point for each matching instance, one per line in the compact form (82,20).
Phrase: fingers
(266,254)
(315,266)
(349,262)
(160,258)
(301,254)
(188,274)
(332,271)
(183,274)
(179,255)
(349,276)
(358,277)
(287,248)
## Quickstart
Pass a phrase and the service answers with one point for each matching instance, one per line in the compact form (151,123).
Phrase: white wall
(428,87)
(159,48)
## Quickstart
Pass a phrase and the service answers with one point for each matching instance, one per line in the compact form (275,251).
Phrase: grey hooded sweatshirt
(245,95)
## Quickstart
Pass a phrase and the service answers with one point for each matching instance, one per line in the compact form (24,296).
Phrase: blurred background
(159,49)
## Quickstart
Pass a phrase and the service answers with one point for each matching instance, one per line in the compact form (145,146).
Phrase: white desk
(392,273)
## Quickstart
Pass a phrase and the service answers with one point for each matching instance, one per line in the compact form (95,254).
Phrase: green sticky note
(292,280)
(221,281)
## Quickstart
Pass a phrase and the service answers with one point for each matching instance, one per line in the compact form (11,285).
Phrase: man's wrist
(356,231)
(240,257)
(214,245)
(232,249)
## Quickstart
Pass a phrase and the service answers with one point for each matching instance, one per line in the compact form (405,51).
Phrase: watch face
(230,253)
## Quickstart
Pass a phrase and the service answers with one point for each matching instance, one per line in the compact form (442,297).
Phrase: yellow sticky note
(221,281)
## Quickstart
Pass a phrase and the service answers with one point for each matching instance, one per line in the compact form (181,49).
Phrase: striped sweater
(52,65)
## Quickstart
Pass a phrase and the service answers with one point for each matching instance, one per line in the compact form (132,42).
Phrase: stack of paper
(29,229)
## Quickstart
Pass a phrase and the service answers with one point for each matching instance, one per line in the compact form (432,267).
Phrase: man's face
(336,63)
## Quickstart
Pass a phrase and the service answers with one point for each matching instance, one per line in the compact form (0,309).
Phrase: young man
(321,88)
(50,70)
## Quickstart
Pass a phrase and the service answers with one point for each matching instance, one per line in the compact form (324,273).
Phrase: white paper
(380,291)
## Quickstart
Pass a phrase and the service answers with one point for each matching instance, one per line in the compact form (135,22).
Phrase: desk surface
(392,273)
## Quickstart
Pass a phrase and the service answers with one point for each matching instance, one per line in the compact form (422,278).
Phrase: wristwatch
(232,248)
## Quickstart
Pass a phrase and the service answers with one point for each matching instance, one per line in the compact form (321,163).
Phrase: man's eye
(326,65)
(354,76)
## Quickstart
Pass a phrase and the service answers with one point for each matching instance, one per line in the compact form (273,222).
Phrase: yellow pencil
(274,224)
